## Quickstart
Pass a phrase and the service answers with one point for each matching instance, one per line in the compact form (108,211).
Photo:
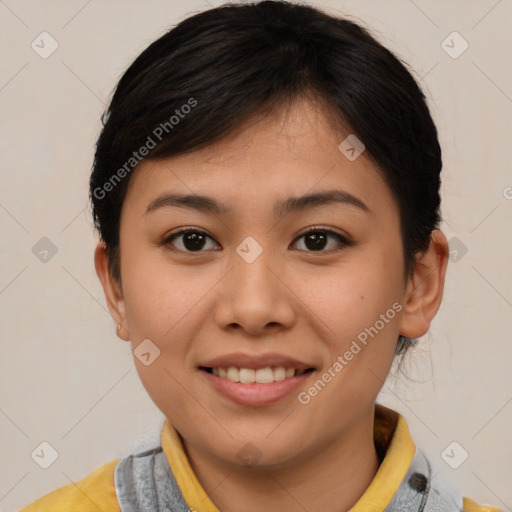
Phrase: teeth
(233,374)
(279,373)
(247,375)
(261,376)
(264,375)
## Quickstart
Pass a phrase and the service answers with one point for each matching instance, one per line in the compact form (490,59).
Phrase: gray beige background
(68,380)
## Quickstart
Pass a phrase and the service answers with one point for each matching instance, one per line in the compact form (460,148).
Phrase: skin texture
(292,300)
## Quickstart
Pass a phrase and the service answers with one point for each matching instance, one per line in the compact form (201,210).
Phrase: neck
(331,480)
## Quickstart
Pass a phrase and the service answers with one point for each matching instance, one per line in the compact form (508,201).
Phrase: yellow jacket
(103,489)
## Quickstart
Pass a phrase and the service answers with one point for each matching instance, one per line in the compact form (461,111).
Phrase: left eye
(315,240)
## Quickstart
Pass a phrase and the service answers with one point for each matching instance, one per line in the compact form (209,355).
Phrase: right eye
(190,240)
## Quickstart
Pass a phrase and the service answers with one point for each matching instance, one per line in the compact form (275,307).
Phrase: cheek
(163,304)
(160,297)
(352,296)
(359,308)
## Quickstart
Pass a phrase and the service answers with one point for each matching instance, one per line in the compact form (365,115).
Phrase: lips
(255,380)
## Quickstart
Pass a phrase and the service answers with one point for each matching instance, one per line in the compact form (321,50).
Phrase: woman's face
(248,288)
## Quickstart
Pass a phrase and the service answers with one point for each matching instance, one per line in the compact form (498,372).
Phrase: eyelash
(343,241)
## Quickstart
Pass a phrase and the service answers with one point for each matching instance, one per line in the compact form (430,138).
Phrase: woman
(266,190)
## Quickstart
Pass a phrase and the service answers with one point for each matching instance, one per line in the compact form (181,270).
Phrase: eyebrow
(281,208)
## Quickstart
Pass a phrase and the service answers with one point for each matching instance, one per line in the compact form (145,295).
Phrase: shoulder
(94,492)
(472,506)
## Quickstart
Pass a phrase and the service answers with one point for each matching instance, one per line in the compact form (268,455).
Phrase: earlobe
(425,287)
(112,291)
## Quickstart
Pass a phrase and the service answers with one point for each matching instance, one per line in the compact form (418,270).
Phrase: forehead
(286,153)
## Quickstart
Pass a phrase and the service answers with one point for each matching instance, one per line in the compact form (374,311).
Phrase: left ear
(425,287)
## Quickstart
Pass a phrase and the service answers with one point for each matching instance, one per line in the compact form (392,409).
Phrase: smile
(265,375)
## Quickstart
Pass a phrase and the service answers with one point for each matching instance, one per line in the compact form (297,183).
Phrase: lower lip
(255,394)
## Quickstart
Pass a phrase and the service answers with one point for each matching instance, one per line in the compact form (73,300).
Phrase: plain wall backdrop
(65,376)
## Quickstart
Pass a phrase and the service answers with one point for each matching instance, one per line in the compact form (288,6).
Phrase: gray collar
(144,483)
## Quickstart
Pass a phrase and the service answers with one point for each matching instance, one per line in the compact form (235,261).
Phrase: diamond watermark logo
(454,455)
(454,45)
(146,352)
(457,249)
(249,454)
(44,249)
(44,45)
(44,455)
(352,147)
(249,249)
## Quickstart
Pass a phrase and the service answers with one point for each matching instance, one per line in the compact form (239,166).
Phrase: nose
(255,297)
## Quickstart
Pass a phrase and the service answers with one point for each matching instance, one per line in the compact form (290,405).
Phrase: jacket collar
(392,441)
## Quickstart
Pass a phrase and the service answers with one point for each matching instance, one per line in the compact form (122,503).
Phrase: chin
(257,453)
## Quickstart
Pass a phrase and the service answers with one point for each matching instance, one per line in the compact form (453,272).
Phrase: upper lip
(255,362)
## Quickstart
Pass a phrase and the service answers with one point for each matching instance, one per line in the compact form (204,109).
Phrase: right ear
(112,290)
